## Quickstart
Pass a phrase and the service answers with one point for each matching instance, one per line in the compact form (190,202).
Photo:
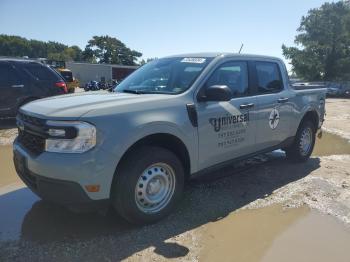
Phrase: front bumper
(62,192)
(61,178)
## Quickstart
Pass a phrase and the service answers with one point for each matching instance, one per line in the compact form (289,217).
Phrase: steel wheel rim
(155,188)
(305,141)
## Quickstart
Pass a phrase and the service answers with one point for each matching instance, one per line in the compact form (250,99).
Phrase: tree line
(322,51)
(99,49)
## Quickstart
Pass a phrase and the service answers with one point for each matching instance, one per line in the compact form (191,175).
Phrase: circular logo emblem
(274,118)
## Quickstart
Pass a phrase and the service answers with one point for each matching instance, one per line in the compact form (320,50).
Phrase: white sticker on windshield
(196,60)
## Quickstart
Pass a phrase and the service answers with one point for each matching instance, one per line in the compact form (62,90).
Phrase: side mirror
(216,93)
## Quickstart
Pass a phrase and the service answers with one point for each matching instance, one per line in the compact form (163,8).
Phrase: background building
(86,72)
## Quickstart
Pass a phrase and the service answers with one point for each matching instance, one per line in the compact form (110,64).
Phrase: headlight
(70,137)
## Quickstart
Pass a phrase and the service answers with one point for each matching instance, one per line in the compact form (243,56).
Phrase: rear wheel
(304,142)
(147,185)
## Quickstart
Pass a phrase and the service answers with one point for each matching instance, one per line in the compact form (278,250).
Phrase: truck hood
(76,105)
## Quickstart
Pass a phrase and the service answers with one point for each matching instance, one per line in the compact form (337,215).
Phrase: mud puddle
(273,234)
(8,174)
(331,144)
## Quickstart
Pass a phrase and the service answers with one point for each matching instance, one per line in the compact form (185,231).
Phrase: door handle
(282,100)
(17,86)
(245,106)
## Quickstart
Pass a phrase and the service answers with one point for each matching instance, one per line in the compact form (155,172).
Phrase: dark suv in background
(22,81)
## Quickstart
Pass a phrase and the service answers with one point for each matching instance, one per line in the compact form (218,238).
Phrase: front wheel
(147,185)
(304,142)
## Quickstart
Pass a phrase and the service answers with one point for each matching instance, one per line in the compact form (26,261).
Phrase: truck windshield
(164,76)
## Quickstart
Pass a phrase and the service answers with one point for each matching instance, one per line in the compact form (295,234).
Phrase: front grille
(30,133)
(33,143)
(31,120)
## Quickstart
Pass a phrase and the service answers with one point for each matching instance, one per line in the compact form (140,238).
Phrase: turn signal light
(92,188)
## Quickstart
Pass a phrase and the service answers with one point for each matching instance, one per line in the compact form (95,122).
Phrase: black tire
(295,151)
(127,177)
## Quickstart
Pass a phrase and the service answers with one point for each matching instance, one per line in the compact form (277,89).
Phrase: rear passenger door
(43,79)
(226,129)
(273,105)
(11,89)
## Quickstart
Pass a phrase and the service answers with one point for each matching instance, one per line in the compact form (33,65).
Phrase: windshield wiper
(132,91)
(139,92)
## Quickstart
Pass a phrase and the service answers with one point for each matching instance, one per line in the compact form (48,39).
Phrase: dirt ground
(338,117)
(8,132)
(263,209)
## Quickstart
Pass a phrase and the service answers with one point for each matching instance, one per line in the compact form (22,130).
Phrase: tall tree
(323,44)
(72,53)
(143,61)
(110,50)
(77,53)
(89,55)
(19,46)
(13,46)
(101,49)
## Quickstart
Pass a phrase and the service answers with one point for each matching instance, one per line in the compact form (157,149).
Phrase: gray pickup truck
(135,148)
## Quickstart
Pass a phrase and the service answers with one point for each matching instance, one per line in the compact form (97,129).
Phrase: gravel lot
(338,117)
(8,132)
(32,230)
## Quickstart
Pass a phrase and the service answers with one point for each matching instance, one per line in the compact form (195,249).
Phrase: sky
(159,28)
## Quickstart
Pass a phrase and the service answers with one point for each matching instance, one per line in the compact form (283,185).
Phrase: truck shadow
(206,199)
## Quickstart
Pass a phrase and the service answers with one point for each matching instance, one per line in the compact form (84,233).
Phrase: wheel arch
(312,116)
(164,140)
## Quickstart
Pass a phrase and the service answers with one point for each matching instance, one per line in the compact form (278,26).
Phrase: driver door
(226,129)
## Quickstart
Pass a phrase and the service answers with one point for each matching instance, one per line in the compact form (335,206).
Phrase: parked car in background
(22,81)
(335,89)
(71,81)
(60,67)
(347,93)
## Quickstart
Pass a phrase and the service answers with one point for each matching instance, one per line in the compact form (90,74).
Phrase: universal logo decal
(274,118)
(220,122)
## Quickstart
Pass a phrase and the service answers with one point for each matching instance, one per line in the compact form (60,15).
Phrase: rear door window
(8,76)
(41,72)
(269,77)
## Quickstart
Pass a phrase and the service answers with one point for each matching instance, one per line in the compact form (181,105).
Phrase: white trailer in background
(86,72)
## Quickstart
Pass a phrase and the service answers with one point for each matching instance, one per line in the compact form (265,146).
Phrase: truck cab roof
(226,54)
